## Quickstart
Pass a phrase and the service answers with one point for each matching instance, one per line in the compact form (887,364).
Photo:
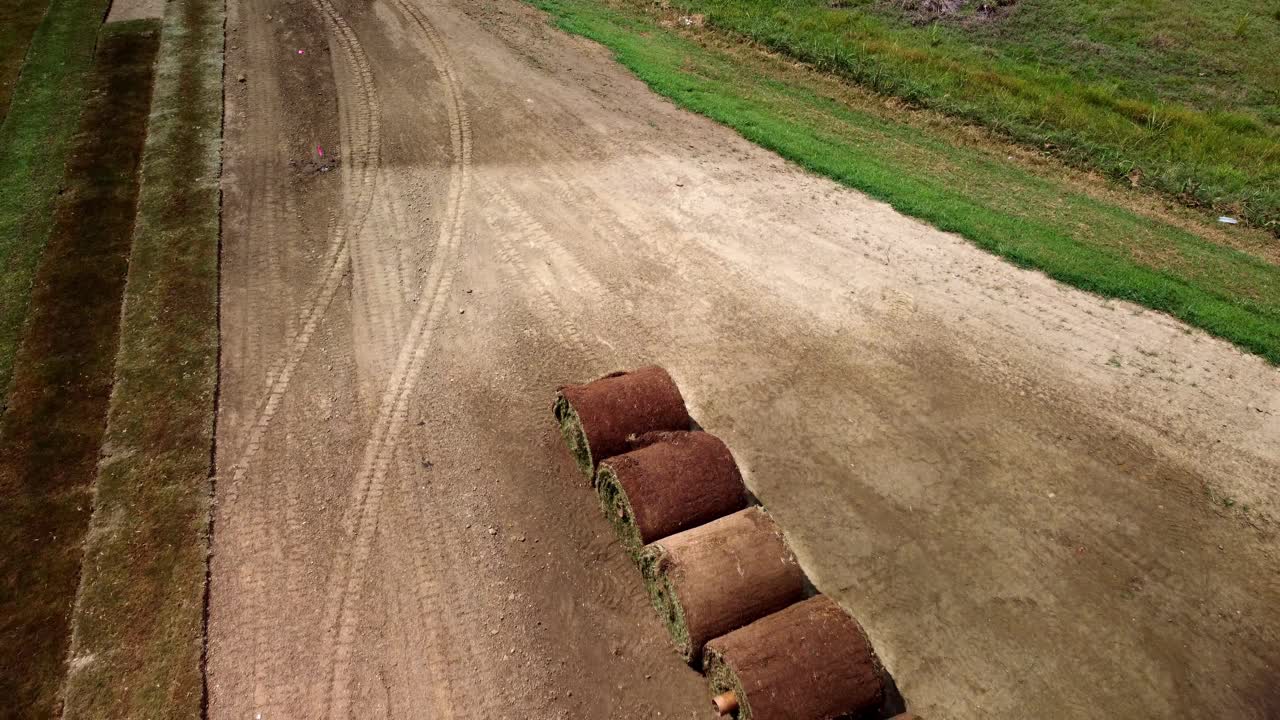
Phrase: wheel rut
(362,520)
(263,539)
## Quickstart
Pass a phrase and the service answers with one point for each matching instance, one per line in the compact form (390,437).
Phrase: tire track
(453,658)
(261,540)
(375,284)
(532,232)
(257,252)
(362,521)
(362,134)
(537,235)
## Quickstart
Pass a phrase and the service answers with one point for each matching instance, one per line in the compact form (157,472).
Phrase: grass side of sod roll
(662,593)
(575,436)
(138,627)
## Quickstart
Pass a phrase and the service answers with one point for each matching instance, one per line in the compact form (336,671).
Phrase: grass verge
(1227,157)
(617,509)
(1035,219)
(51,432)
(138,625)
(34,140)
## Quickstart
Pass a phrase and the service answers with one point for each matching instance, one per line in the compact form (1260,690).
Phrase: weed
(1242,27)
(935,35)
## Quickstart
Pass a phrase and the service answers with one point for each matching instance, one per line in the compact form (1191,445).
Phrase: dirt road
(1033,498)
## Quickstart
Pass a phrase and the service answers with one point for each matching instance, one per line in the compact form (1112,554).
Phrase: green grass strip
(51,433)
(999,206)
(34,141)
(138,632)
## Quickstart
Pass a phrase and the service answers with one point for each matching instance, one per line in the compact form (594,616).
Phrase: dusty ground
(1020,489)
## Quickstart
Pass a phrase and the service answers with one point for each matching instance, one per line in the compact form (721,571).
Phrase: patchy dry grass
(52,429)
(138,628)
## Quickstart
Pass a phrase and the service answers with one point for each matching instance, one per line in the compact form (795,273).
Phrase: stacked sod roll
(598,418)
(719,571)
(668,482)
(717,577)
(810,661)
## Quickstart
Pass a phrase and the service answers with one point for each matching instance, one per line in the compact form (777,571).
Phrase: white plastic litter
(1228,220)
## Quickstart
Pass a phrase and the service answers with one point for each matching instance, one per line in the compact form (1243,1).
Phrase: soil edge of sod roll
(811,659)
(669,482)
(718,577)
(597,418)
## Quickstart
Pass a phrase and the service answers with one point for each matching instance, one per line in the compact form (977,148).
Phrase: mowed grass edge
(1034,222)
(35,138)
(138,625)
(18,22)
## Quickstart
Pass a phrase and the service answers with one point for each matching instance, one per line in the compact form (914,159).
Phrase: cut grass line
(138,625)
(51,433)
(34,140)
(18,22)
(1032,220)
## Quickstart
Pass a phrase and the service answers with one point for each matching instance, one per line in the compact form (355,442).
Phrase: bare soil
(1032,498)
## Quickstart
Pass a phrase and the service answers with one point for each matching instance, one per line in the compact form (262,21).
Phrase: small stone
(462,311)
(241,77)
(493,531)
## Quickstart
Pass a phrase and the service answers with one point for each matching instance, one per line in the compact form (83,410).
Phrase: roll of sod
(597,418)
(720,576)
(810,661)
(671,482)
